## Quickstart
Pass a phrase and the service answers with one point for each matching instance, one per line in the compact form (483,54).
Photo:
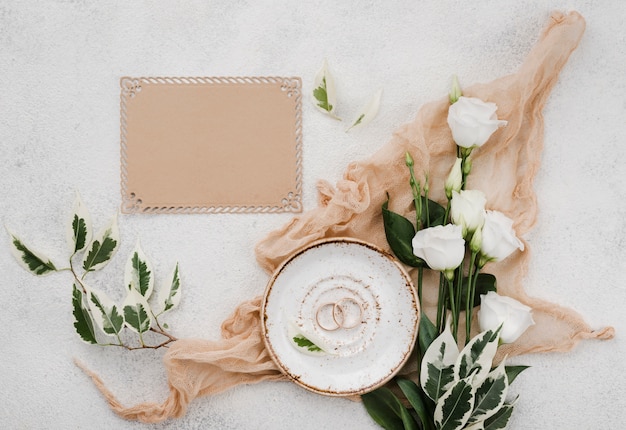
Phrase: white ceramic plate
(351,299)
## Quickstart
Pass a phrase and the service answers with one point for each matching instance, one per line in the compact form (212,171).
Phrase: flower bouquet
(457,389)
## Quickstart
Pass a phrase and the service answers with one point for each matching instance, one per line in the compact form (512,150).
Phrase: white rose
(472,121)
(454,182)
(441,247)
(467,209)
(499,239)
(496,310)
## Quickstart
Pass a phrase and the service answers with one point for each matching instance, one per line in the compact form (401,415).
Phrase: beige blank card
(209,145)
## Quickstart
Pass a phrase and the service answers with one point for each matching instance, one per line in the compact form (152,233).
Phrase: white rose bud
(441,247)
(472,121)
(455,179)
(499,239)
(496,310)
(455,91)
(467,209)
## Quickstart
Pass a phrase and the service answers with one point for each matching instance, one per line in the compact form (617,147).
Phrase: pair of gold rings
(345,313)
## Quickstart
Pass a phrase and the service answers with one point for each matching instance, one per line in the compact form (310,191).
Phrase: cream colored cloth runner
(353,208)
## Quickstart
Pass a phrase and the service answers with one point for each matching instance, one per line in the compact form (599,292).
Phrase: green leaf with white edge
(324,96)
(107,315)
(82,320)
(500,419)
(79,231)
(475,426)
(455,406)
(139,272)
(477,356)
(385,408)
(417,399)
(31,260)
(103,247)
(437,369)
(399,232)
(490,395)
(169,294)
(137,312)
(305,342)
(369,111)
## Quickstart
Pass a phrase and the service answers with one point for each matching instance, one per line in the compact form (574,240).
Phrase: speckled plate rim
(264,317)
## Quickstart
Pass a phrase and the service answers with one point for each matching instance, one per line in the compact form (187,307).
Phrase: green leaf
(500,419)
(369,111)
(321,96)
(82,320)
(385,408)
(490,395)
(399,232)
(324,91)
(107,314)
(477,356)
(427,333)
(33,261)
(138,273)
(137,313)
(303,342)
(486,282)
(102,248)
(455,406)
(513,371)
(169,295)
(436,213)
(78,232)
(418,399)
(437,368)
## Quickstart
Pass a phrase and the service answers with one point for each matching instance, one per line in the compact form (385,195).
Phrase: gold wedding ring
(342,314)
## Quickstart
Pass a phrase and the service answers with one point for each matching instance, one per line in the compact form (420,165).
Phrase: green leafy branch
(458,389)
(98,319)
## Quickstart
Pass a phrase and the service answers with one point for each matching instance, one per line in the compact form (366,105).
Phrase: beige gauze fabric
(353,208)
(512,155)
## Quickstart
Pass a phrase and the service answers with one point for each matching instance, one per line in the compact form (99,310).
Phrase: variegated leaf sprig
(97,318)
(458,389)
(325,99)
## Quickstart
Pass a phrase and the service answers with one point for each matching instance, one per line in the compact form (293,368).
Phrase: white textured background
(60,62)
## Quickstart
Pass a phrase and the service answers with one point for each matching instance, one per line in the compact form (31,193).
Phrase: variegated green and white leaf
(169,294)
(82,320)
(31,260)
(500,419)
(107,315)
(324,95)
(477,356)
(369,111)
(304,342)
(79,231)
(437,369)
(137,312)
(139,272)
(102,247)
(455,406)
(490,395)
(475,426)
